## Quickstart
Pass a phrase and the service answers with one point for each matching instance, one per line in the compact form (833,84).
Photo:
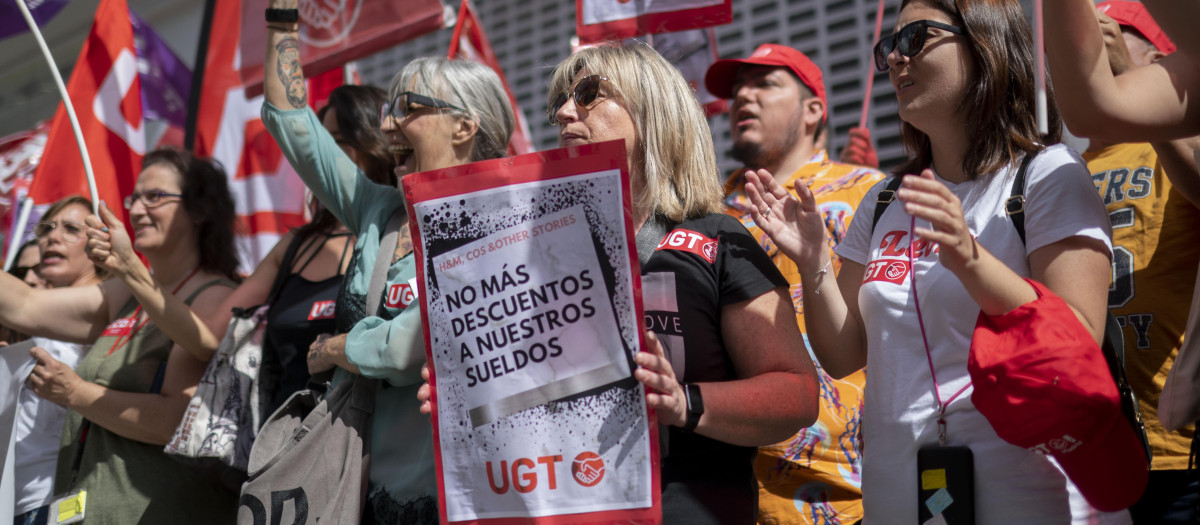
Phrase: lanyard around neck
(125,338)
(941,405)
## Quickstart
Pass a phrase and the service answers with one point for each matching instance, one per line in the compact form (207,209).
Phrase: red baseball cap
(1044,385)
(721,74)
(1134,14)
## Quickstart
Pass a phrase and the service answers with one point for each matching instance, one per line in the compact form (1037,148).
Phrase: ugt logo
(587,469)
(527,474)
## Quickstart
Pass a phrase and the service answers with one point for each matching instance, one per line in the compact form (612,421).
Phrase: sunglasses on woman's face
(401,105)
(909,41)
(586,92)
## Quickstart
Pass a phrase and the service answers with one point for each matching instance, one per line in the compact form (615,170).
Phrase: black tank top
(302,311)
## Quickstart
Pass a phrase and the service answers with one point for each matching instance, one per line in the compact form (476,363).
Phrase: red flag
(268,194)
(597,20)
(333,33)
(470,43)
(106,94)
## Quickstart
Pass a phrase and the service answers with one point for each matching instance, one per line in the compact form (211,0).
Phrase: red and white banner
(106,95)
(692,52)
(597,20)
(470,43)
(19,156)
(333,33)
(536,299)
(268,195)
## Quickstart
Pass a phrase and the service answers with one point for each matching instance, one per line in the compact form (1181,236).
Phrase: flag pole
(14,235)
(193,109)
(866,105)
(62,89)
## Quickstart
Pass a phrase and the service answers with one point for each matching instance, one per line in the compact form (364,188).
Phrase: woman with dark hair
(130,390)
(28,264)
(963,72)
(305,302)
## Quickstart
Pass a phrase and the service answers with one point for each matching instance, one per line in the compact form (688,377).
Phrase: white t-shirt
(1012,485)
(38,428)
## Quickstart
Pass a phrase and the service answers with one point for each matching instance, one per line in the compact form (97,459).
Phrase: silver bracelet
(821,276)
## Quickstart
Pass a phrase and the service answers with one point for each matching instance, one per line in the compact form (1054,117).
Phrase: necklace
(123,339)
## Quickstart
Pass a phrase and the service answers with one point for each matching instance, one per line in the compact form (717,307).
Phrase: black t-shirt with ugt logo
(700,266)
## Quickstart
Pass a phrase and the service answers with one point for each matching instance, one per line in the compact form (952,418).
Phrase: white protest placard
(530,299)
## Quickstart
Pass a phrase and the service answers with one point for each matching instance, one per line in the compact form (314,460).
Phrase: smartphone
(946,485)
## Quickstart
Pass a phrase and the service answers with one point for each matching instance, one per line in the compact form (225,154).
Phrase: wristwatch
(289,16)
(695,406)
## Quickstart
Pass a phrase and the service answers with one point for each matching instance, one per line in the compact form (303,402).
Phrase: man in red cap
(776,121)
(1151,192)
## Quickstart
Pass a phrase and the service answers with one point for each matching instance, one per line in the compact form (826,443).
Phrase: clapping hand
(794,224)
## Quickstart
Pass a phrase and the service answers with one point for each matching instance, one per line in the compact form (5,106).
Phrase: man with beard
(777,120)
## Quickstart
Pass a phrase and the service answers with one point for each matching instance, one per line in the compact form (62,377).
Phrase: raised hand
(926,198)
(108,244)
(795,225)
(860,150)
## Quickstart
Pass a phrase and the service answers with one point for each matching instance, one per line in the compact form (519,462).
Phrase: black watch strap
(695,406)
(283,15)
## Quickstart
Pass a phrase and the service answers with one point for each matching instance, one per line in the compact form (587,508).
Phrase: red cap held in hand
(1043,383)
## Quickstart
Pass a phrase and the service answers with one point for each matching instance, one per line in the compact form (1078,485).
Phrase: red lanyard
(123,339)
(941,408)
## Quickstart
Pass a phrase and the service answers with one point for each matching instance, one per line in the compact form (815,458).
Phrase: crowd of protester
(825,375)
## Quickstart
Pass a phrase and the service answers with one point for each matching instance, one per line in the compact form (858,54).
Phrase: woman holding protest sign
(915,280)
(130,390)
(441,113)
(733,345)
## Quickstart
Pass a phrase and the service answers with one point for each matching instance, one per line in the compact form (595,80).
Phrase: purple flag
(12,23)
(166,81)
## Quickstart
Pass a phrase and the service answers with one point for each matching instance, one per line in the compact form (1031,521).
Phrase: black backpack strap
(885,197)
(285,267)
(1113,345)
(1015,205)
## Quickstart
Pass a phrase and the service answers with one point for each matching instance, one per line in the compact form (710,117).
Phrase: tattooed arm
(283,78)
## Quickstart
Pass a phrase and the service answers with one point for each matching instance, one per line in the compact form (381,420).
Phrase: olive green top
(130,482)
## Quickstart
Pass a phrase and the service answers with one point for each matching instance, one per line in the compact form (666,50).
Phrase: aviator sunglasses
(399,107)
(586,92)
(909,41)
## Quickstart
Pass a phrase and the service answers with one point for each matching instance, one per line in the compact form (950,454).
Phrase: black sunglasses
(21,271)
(909,40)
(586,92)
(399,107)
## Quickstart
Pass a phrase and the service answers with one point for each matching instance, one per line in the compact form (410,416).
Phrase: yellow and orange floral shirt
(814,477)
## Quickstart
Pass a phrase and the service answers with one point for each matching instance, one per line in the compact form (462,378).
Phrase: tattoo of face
(291,74)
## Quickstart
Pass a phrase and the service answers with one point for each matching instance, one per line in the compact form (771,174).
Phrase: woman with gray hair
(441,113)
